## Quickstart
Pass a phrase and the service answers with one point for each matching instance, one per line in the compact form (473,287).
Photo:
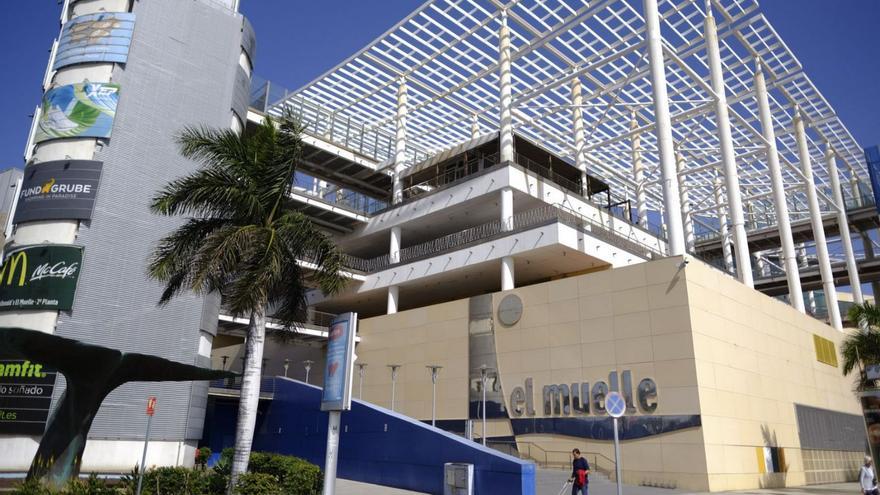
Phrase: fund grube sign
(25,396)
(40,277)
(84,109)
(58,190)
(100,37)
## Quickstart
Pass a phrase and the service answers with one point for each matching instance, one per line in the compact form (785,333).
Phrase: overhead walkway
(861,219)
(777,285)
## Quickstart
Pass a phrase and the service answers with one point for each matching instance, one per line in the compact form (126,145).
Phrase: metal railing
(553,459)
(375,144)
(451,175)
(344,198)
(267,384)
(520,221)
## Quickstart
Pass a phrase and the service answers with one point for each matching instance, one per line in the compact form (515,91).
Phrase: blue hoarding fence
(383,447)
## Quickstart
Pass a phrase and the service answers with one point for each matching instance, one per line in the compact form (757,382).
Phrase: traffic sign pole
(615,406)
(617,459)
(151,409)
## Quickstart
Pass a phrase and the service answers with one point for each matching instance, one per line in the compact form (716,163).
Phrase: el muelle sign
(58,190)
(43,276)
(25,396)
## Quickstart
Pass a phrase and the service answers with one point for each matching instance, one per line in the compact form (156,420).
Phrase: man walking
(580,470)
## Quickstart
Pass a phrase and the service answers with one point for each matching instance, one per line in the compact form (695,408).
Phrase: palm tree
(862,346)
(242,239)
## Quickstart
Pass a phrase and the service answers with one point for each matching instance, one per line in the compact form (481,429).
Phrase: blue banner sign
(339,367)
(101,37)
(872,158)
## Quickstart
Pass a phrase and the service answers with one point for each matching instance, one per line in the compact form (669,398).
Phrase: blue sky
(836,41)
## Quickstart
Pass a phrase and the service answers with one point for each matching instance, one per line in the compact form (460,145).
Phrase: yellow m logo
(8,269)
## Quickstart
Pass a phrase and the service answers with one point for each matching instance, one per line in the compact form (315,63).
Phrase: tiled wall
(756,359)
(715,348)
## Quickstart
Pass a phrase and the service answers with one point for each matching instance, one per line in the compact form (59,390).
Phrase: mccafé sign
(569,399)
(58,190)
(40,277)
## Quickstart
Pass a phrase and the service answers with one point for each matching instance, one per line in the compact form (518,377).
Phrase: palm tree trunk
(250,395)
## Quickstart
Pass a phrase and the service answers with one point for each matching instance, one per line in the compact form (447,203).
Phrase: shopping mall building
(567,198)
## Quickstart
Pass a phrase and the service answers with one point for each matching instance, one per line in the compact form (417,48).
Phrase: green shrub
(295,476)
(268,473)
(31,487)
(202,455)
(89,486)
(257,484)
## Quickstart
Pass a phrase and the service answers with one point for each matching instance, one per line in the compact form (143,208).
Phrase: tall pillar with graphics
(101,145)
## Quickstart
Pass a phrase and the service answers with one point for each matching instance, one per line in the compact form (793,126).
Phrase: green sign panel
(40,277)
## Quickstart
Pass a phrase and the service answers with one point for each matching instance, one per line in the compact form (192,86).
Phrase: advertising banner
(340,363)
(872,160)
(25,397)
(40,277)
(101,37)
(58,190)
(78,110)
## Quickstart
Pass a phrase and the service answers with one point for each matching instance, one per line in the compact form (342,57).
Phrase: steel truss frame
(447,53)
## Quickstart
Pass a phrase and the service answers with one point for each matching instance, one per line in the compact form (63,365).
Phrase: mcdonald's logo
(7,271)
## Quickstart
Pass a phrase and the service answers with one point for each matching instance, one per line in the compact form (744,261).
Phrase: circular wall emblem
(510,310)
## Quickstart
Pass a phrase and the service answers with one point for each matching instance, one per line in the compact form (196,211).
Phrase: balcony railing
(267,384)
(375,144)
(520,221)
(345,198)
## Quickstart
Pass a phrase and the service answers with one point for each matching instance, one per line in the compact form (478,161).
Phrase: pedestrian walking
(580,473)
(867,479)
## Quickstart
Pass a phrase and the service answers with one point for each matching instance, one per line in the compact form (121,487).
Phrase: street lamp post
(434,369)
(308,364)
(361,372)
(394,368)
(484,375)
(286,365)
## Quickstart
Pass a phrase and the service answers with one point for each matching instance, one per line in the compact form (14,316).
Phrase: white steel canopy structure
(447,55)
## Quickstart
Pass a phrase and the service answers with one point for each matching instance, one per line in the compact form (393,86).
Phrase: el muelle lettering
(582,399)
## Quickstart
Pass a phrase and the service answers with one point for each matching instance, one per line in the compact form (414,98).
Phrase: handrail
(556,458)
(270,98)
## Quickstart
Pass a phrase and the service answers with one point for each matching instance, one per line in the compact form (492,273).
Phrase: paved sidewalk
(550,482)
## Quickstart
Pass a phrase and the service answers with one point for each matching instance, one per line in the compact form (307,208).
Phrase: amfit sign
(40,277)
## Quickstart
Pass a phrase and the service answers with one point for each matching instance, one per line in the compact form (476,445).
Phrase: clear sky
(837,41)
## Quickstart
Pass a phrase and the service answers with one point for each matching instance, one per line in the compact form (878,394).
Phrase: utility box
(459,479)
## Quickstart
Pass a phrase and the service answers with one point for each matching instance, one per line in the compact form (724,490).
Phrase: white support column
(726,249)
(475,126)
(507,274)
(663,128)
(816,221)
(393,294)
(506,203)
(854,187)
(394,247)
(731,177)
(843,225)
(804,262)
(505,92)
(789,259)
(399,143)
(639,175)
(686,217)
(580,136)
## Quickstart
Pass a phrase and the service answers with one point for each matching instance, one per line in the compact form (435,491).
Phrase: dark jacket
(579,463)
